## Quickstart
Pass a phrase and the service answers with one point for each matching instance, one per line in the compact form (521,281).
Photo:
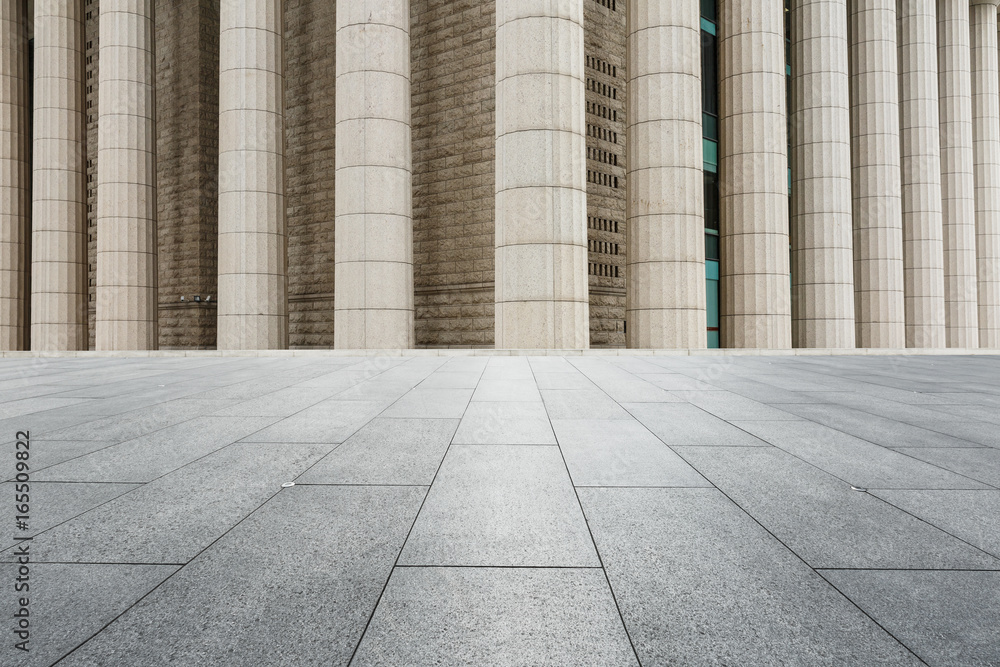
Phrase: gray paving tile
(678,382)
(132,424)
(27,406)
(733,407)
(621,385)
(581,404)
(973,516)
(551,364)
(970,412)
(979,463)
(45,453)
(505,423)
(877,405)
(574,380)
(700,583)
(606,452)
(855,461)
(150,456)
(879,430)
(822,520)
(501,506)
(507,368)
(980,433)
(331,421)
(52,503)
(431,403)
(311,563)
(280,403)
(681,424)
(387,451)
(507,390)
(495,616)
(452,380)
(377,390)
(949,619)
(173,518)
(70,603)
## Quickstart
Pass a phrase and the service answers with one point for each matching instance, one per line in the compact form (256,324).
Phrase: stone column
(986,147)
(958,187)
(59,212)
(920,134)
(373,281)
(541,189)
(821,258)
(753,165)
(15,172)
(253,245)
(878,216)
(665,302)
(126,179)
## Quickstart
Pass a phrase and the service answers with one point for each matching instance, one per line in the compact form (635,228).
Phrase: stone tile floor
(506,510)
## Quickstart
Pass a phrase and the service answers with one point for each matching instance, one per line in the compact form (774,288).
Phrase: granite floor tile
(608,452)
(682,424)
(173,518)
(280,403)
(979,433)
(452,380)
(431,403)
(879,430)
(949,619)
(978,463)
(853,460)
(581,404)
(700,583)
(69,603)
(506,390)
(572,380)
(505,423)
(496,616)
(822,519)
(387,451)
(501,506)
(973,516)
(733,407)
(45,453)
(150,456)
(331,421)
(312,563)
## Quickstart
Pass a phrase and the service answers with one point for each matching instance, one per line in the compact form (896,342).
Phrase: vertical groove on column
(821,258)
(15,170)
(878,216)
(756,308)
(920,152)
(253,253)
(958,189)
(666,223)
(373,281)
(986,133)
(126,179)
(59,210)
(541,194)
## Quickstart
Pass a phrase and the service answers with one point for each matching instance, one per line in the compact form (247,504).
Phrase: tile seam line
(583,512)
(416,516)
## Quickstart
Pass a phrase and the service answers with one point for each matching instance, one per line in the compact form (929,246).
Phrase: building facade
(264,174)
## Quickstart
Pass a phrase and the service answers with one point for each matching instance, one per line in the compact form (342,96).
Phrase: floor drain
(859,488)
(288,485)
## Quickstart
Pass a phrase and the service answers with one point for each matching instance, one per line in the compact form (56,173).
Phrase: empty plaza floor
(502,510)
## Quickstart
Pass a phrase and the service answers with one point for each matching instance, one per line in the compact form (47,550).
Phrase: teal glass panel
(712,302)
(710,152)
(710,126)
(707,26)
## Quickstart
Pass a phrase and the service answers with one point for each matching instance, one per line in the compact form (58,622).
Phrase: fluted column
(541,193)
(253,244)
(15,168)
(986,147)
(666,218)
(756,308)
(958,188)
(878,216)
(126,179)
(923,243)
(59,209)
(373,282)
(821,258)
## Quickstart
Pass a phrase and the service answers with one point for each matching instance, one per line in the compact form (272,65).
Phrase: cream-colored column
(666,218)
(541,173)
(59,210)
(253,244)
(126,179)
(753,165)
(958,187)
(986,146)
(920,152)
(878,214)
(15,167)
(822,259)
(374,251)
